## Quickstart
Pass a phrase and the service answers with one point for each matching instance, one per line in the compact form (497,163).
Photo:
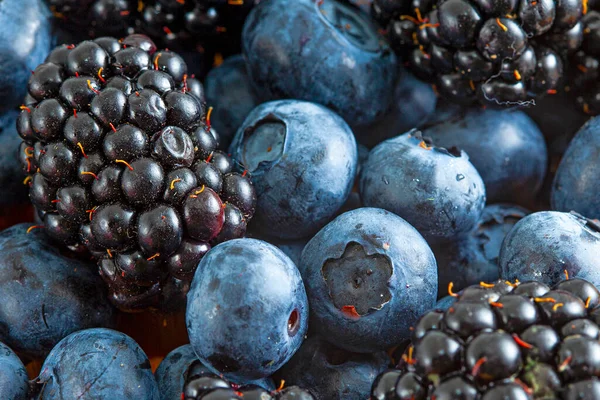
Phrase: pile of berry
(355,199)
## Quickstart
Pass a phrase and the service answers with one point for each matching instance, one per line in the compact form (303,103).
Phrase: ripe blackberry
(585,72)
(201,384)
(95,17)
(500,52)
(121,162)
(503,341)
(176,24)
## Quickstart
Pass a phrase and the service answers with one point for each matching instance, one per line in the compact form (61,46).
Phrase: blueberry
(579,172)
(505,146)
(475,258)
(302,159)
(324,51)
(331,373)
(368,268)
(247,309)
(13,376)
(97,363)
(171,373)
(26,40)
(12,190)
(229,91)
(414,101)
(54,295)
(543,245)
(436,190)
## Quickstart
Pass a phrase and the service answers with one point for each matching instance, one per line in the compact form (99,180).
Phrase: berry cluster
(585,74)
(503,341)
(122,162)
(173,23)
(504,52)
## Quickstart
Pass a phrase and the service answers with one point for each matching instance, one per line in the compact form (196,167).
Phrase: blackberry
(122,163)
(201,384)
(500,52)
(585,71)
(503,341)
(176,24)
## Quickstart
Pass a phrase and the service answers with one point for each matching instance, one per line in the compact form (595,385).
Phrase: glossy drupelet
(475,258)
(122,163)
(500,53)
(413,103)
(505,146)
(46,295)
(229,91)
(247,311)
(302,158)
(13,376)
(437,190)
(333,374)
(172,373)
(368,268)
(98,364)
(321,51)
(12,190)
(25,40)
(579,172)
(503,340)
(544,244)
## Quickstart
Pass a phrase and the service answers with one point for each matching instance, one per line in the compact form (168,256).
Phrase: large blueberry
(45,295)
(12,189)
(506,147)
(247,310)
(413,102)
(576,182)
(369,275)
(229,91)
(475,258)
(436,190)
(322,51)
(302,158)
(13,376)
(543,245)
(171,373)
(25,41)
(97,364)
(331,373)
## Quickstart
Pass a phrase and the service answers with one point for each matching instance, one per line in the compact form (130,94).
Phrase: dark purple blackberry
(116,147)
(585,64)
(201,384)
(526,341)
(497,52)
(175,24)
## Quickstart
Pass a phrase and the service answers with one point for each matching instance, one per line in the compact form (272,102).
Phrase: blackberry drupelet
(201,384)
(176,24)
(500,52)
(121,162)
(503,341)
